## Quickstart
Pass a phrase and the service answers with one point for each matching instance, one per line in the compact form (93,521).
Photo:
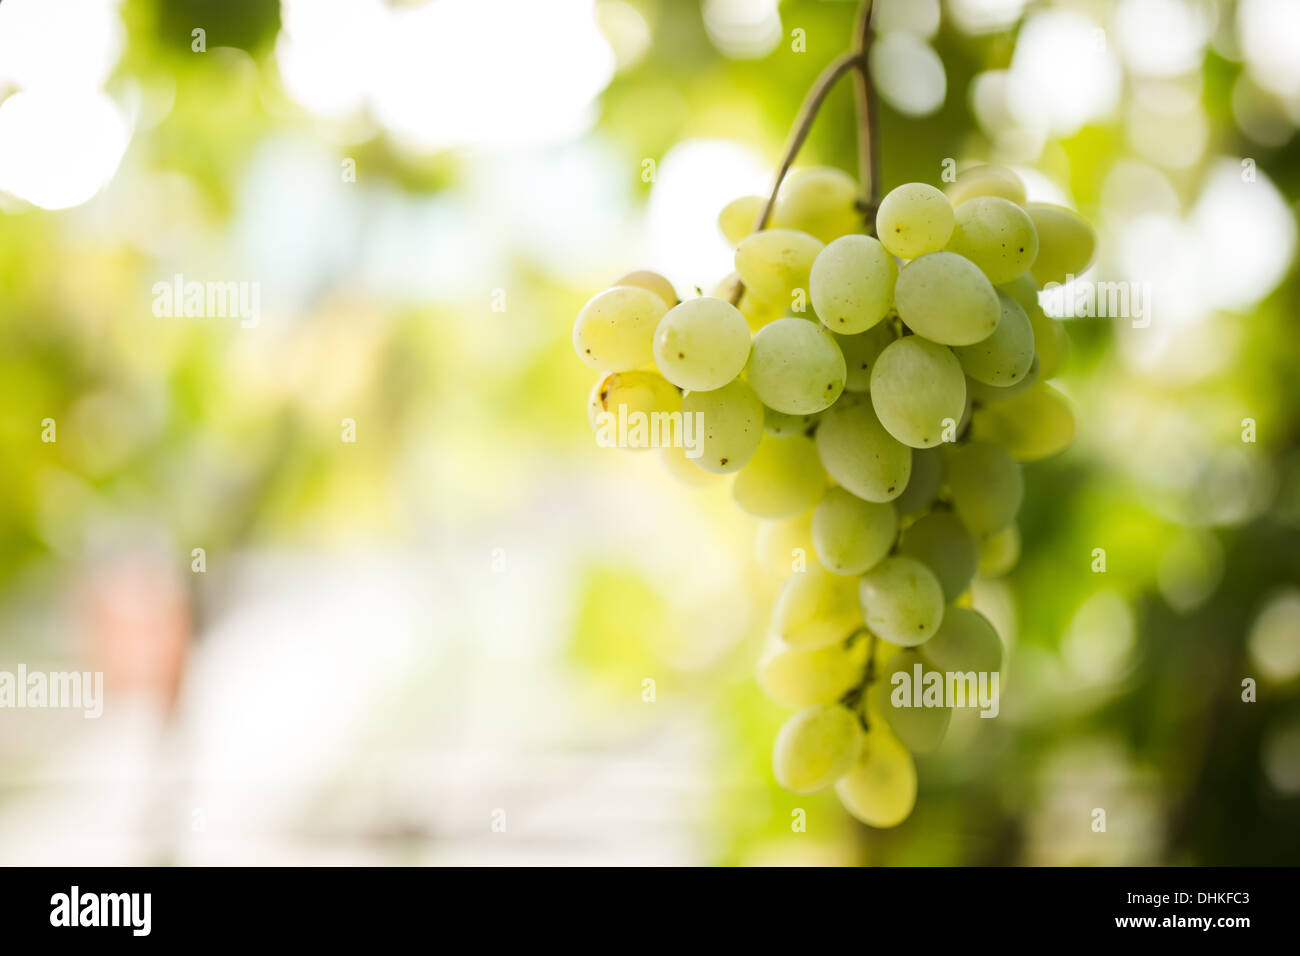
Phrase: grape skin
(941,542)
(860,455)
(860,353)
(782,479)
(775,262)
(732,420)
(852,284)
(614,332)
(1005,357)
(946,298)
(651,282)
(965,642)
(737,219)
(1033,425)
(1066,243)
(902,601)
(880,789)
(920,729)
(701,344)
(917,390)
(796,367)
(816,608)
(815,747)
(985,484)
(852,535)
(797,678)
(819,200)
(996,235)
(914,219)
(986,181)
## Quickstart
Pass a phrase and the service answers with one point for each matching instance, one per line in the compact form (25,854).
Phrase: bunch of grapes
(874,397)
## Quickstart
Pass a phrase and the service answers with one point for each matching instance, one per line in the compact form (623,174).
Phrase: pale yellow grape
(819,200)
(859,454)
(784,545)
(701,344)
(775,262)
(783,426)
(684,469)
(796,367)
(999,552)
(979,392)
(852,535)
(651,282)
(739,216)
(782,479)
(923,485)
(860,352)
(880,789)
(614,332)
(1066,243)
(729,426)
(795,678)
(996,235)
(986,181)
(985,484)
(946,298)
(965,642)
(914,219)
(941,542)
(852,284)
(816,608)
(918,391)
(902,601)
(1033,425)
(624,393)
(1005,357)
(757,313)
(815,747)
(1049,334)
(894,698)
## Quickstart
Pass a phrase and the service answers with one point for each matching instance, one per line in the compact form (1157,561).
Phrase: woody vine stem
(854,61)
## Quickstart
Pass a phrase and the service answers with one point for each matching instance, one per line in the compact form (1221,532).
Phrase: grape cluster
(875,397)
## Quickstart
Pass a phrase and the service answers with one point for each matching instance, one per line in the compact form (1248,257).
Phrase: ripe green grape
(783,544)
(852,535)
(796,367)
(914,219)
(996,235)
(1066,243)
(893,698)
(775,262)
(979,392)
(902,601)
(946,298)
(860,353)
(757,313)
(730,428)
(923,485)
(783,426)
(782,479)
(637,391)
(965,642)
(999,552)
(819,200)
(880,789)
(986,181)
(816,608)
(815,747)
(1004,358)
(918,391)
(614,332)
(1049,334)
(685,469)
(1033,425)
(941,542)
(852,284)
(739,216)
(859,454)
(985,484)
(701,344)
(651,282)
(795,678)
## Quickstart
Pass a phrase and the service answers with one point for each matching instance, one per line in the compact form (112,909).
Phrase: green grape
(979,392)
(815,747)
(859,454)
(941,542)
(816,608)
(821,201)
(783,426)
(946,298)
(784,544)
(923,485)
(860,353)
(796,367)
(852,535)
(965,642)
(999,552)
(1033,425)
(902,600)
(893,698)
(1049,333)
(985,484)
(636,391)
(757,313)
(783,478)
(914,219)
(986,181)
(1004,358)
(1066,243)
(918,391)
(996,235)
(730,428)
(797,678)
(615,331)
(652,282)
(775,262)
(852,284)
(880,789)
(701,344)
(685,469)
(739,216)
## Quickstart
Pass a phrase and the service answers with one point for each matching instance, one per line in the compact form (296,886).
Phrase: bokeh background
(399,643)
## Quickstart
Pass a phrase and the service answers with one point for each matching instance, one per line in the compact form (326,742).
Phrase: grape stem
(855,694)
